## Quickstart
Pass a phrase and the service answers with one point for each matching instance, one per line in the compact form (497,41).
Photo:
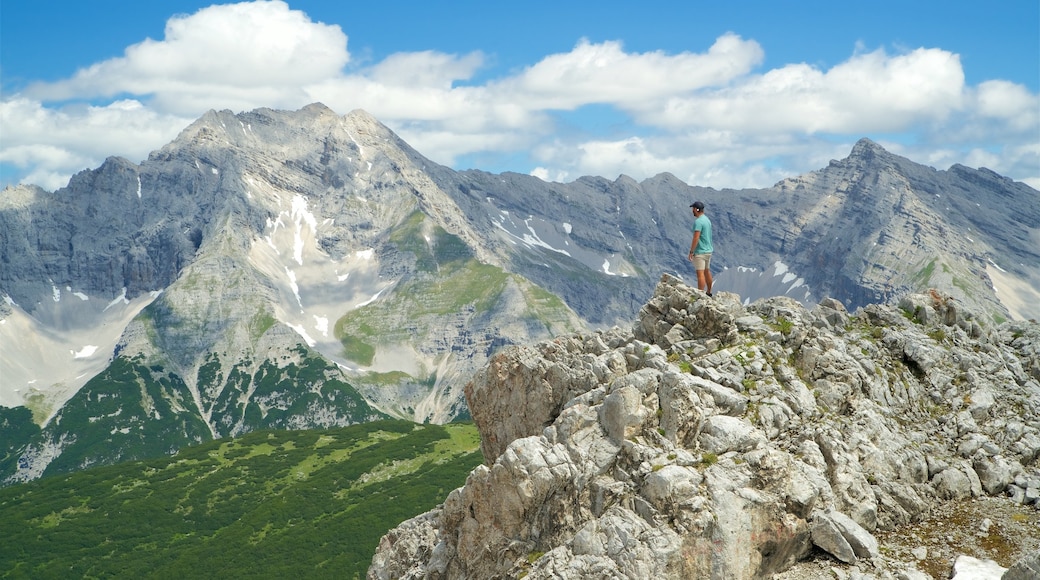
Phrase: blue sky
(738,94)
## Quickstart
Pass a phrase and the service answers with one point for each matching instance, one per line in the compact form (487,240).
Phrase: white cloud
(604,73)
(868,93)
(51,144)
(425,69)
(1007,105)
(224,54)
(711,118)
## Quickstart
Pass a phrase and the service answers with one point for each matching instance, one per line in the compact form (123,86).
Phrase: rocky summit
(714,439)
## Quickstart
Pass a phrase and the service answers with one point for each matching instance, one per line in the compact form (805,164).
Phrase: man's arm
(693,244)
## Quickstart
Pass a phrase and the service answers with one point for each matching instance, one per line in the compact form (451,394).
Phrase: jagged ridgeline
(717,440)
(302,269)
(270,504)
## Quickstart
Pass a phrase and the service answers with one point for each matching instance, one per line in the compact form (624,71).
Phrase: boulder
(1026,568)
(970,568)
(840,536)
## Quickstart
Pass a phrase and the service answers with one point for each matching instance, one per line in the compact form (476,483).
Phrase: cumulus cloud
(427,69)
(868,93)
(51,144)
(236,52)
(604,73)
(1009,104)
(711,117)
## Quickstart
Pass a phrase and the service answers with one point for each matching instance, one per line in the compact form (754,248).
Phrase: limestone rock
(1026,568)
(720,450)
(970,568)
(842,537)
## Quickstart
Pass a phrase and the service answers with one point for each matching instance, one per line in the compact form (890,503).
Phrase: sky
(719,94)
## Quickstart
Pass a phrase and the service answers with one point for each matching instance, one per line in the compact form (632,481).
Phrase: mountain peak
(318,109)
(866,148)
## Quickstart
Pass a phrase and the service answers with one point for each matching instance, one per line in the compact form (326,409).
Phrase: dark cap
(698,205)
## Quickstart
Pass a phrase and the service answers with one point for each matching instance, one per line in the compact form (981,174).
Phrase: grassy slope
(275,504)
(448,280)
(133,410)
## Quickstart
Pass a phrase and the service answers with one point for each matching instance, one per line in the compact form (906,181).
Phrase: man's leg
(701,280)
(707,278)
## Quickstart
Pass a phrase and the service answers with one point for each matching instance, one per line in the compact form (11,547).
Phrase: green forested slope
(277,504)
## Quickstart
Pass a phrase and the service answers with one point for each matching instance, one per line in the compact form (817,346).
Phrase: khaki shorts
(701,261)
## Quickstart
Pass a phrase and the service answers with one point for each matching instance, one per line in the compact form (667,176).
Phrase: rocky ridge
(866,229)
(714,439)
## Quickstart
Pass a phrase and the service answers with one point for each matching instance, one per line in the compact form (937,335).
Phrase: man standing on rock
(701,248)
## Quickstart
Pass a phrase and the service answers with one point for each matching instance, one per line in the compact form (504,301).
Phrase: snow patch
(300,216)
(370,300)
(121,299)
(85,352)
(365,254)
(292,284)
(138,187)
(303,333)
(567,228)
(530,239)
(321,324)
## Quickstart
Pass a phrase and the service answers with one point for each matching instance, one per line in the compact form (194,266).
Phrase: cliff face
(719,440)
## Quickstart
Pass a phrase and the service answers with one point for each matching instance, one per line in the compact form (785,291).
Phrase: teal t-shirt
(703,225)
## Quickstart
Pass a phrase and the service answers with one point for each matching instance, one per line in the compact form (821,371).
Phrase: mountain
(866,229)
(270,504)
(266,270)
(302,269)
(715,440)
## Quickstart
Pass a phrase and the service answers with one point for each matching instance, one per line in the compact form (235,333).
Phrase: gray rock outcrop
(1027,568)
(717,440)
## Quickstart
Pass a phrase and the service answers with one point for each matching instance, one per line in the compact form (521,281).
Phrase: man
(701,248)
